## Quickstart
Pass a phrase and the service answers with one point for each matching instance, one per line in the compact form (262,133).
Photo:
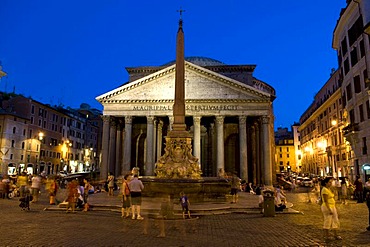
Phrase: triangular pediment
(201,84)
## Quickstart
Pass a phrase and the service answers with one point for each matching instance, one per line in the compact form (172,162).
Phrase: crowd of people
(328,190)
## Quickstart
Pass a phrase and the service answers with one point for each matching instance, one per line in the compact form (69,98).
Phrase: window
(354,58)
(344,46)
(31,120)
(11,156)
(368,109)
(349,92)
(361,110)
(287,155)
(352,116)
(24,132)
(364,146)
(355,31)
(357,84)
(362,49)
(22,145)
(32,109)
(281,156)
(365,77)
(346,66)
(287,149)
(281,149)
(14,130)
(13,143)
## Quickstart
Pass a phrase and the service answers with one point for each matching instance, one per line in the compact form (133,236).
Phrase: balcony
(350,132)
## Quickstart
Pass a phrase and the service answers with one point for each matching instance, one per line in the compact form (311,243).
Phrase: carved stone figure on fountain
(178,161)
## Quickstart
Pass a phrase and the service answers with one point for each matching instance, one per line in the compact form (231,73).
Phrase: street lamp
(41,138)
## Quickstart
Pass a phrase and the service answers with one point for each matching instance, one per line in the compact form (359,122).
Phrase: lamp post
(41,138)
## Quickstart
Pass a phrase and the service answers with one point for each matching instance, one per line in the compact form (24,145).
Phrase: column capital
(119,123)
(113,122)
(105,118)
(242,119)
(196,119)
(128,119)
(265,119)
(150,119)
(220,119)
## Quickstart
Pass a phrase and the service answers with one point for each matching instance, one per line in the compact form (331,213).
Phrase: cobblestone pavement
(106,228)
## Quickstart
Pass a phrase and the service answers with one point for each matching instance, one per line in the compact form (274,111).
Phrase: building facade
(351,41)
(325,151)
(41,138)
(228,111)
(285,151)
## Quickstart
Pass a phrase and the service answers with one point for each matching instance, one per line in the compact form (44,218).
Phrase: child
(185,205)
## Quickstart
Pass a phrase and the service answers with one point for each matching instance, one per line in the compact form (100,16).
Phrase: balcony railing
(351,128)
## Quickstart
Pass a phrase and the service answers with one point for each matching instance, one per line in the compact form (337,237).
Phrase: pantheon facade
(228,111)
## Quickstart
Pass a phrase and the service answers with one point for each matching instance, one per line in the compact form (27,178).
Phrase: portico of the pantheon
(228,111)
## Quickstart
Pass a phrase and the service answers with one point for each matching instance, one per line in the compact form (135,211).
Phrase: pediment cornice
(186,101)
(105,98)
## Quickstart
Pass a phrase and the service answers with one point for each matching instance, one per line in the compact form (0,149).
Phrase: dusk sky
(68,52)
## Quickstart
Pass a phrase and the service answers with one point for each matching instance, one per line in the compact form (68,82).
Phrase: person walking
(22,182)
(72,195)
(368,207)
(126,203)
(344,191)
(328,209)
(110,181)
(35,187)
(6,184)
(235,187)
(52,188)
(136,187)
(87,187)
(359,190)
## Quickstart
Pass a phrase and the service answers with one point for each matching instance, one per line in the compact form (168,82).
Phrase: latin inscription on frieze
(196,108)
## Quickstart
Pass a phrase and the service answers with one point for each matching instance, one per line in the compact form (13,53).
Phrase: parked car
(298,181)
(307,182)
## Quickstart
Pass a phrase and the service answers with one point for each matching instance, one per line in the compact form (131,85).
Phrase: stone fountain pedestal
(198,190)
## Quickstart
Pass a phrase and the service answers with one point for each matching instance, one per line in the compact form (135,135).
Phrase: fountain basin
(197,190)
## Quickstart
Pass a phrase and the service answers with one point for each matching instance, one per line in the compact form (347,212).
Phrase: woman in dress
(328,209)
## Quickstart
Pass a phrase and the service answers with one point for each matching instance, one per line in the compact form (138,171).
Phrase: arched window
(14,129)
(13,143)
(22,145)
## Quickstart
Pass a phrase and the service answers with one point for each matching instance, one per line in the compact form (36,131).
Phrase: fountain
(178,170)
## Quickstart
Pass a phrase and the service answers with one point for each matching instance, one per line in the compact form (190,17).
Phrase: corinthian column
(149,145)
(117,170)
(267,150)
(243,147)
(112,145)
(197,151)
(220,143)
(127,143)
(159,138)
(105,148)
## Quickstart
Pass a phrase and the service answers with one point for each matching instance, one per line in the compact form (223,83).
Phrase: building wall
(353,49)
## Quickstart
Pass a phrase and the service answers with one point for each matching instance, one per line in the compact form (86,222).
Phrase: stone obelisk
(178,160)
(179,126)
